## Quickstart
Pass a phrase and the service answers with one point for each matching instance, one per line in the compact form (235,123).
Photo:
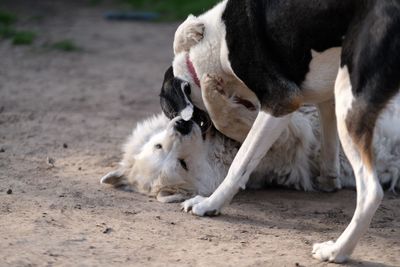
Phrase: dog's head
(161,159)
(176,95)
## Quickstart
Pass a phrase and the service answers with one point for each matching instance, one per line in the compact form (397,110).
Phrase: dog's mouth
(200,120)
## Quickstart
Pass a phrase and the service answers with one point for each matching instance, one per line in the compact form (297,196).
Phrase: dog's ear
(166,94)
(175,94)
(115,178)
(167,196)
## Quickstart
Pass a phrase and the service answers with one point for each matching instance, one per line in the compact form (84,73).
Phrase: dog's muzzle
(183,127)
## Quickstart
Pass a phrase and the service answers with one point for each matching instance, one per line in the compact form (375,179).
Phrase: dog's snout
(183,127)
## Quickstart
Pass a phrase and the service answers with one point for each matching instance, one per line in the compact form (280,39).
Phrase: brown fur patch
(284,107)
(360,123)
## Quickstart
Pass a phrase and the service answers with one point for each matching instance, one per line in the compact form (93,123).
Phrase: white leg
(369,191)
(231,119)
(330,167)
(264,132)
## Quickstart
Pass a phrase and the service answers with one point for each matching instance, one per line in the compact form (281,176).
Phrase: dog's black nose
(183,127)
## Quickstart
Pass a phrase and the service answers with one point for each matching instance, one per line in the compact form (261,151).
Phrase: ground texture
(63,118)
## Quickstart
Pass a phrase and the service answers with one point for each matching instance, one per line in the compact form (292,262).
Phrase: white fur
(152,171)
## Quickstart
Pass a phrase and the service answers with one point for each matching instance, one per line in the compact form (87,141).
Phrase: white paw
(200,206)
(194,31)
(188,34)
(328,251)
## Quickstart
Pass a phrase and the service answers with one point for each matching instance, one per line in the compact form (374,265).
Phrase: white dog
(173,163)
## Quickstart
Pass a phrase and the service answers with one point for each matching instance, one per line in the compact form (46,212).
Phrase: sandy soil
(76,109)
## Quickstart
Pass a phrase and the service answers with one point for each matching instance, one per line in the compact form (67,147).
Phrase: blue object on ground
(131,15)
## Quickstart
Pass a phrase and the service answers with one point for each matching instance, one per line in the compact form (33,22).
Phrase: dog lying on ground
(173,160)
(266,46)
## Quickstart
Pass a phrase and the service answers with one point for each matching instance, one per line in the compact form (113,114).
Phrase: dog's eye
(183,164)
(158,146)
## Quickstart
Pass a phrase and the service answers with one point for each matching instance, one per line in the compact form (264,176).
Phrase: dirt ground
(76,109)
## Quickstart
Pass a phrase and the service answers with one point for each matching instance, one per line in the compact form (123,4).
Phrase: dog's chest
(319,81)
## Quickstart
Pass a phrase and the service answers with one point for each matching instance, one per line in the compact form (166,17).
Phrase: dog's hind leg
(328,180)
(359,153)
(367,80)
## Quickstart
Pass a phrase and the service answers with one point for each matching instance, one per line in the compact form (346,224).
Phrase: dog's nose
(183,127)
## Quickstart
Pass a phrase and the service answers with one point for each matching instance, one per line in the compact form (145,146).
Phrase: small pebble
(2,150)
(50,162)
(9,192)
(65,145)
(107,230)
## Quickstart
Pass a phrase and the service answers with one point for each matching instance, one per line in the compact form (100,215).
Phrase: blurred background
(15,13)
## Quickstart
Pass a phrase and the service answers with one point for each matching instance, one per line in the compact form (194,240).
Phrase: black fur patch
(173,101)
(270,42)
(371,51)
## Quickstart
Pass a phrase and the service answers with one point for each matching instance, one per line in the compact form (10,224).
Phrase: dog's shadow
(305,211)
(309,214)
(291,209)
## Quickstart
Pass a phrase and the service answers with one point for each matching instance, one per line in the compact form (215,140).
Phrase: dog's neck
(192,70)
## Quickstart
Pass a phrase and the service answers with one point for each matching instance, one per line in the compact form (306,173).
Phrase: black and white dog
(262,50)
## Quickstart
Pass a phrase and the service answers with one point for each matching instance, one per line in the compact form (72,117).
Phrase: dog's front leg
(328,180)
(231,119)
(188,34)
(264,132)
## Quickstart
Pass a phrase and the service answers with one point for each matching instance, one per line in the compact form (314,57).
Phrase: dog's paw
(188,204)
(194,32)
(200,206)
(327,183)
(188,34)
(213,85)
(328,251)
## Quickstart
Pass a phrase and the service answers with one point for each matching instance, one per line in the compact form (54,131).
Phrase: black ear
(172,98)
